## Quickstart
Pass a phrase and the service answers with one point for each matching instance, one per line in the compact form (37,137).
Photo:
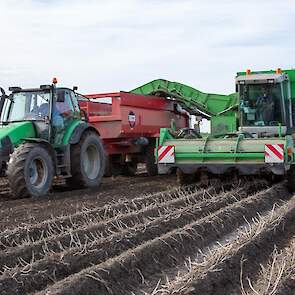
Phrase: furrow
(278,275)
(32,233)
(231,269)
(124,273)
(37,250)
(75,259)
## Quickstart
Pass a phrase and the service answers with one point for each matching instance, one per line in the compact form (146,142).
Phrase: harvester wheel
(30,171)
(204,178)
(150,160)
(183,178)
(87,161)
(291,179)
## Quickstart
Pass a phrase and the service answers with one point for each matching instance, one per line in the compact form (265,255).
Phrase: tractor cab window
(28,106)
(75,102)
(65,107)
(62,114)
(261,104)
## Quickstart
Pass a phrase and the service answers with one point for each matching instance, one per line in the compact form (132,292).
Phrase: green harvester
(252,130)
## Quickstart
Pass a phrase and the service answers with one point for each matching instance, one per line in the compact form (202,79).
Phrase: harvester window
(260,104)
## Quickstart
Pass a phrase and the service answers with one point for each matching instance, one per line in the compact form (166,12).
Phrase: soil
(133,233)
(64,201)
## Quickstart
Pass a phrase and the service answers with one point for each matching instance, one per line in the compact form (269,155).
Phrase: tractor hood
(15,132)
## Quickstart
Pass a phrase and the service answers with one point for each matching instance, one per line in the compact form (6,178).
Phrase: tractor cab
(265,104)
(51,110)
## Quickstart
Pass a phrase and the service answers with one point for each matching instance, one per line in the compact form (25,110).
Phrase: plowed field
(146,235)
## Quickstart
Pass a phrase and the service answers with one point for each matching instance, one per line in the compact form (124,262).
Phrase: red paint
(111,120)
(275,151)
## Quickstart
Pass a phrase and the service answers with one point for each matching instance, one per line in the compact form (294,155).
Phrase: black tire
(88,161)
(30,171)
(183,179)
(129,168)
(108,171)
(150,160)
(291,179)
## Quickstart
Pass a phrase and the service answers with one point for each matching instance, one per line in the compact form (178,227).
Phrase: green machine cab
(251,131)
(44,134)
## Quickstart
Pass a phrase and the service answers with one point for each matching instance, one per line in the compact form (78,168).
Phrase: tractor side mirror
(2,92)
(3,96)
(61,96)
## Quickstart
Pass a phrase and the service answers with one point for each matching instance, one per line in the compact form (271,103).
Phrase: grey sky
(118,45)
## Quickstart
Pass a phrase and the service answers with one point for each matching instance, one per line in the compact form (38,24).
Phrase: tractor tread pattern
(15,170)
(76,181)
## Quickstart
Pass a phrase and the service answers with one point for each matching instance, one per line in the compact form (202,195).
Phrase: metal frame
(220,169)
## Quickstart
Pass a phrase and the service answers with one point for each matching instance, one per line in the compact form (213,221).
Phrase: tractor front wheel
(30,171)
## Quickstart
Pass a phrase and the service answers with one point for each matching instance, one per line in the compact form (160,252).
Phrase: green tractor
(44,134)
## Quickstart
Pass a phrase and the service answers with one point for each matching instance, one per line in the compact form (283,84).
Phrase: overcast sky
(113,45)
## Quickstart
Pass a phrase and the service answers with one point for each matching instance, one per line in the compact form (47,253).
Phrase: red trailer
(129,125)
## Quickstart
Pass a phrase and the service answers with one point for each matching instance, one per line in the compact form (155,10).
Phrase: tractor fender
(78,131)
(43,142)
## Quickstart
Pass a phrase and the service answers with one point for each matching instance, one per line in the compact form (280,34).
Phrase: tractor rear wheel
(30,171)
(88,161)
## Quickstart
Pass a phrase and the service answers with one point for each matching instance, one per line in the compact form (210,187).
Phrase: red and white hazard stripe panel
(274,153)
(166,154)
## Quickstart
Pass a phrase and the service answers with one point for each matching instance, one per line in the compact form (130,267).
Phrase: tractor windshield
(260,104)
(28,106)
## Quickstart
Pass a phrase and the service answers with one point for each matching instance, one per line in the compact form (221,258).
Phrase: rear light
(248,72)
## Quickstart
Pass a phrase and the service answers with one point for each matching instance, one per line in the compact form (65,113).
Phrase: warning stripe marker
(274,153)
(166,154)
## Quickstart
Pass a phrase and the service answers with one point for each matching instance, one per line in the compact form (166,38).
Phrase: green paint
(220,108)
(222,124)
(18,131)
(193,99)
(69,131)
(220,155)
(223,145)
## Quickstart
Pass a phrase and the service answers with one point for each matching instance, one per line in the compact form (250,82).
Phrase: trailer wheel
(150,160)
(130,168)
(108,171)
(30,171)
(87,161)
(291,179)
